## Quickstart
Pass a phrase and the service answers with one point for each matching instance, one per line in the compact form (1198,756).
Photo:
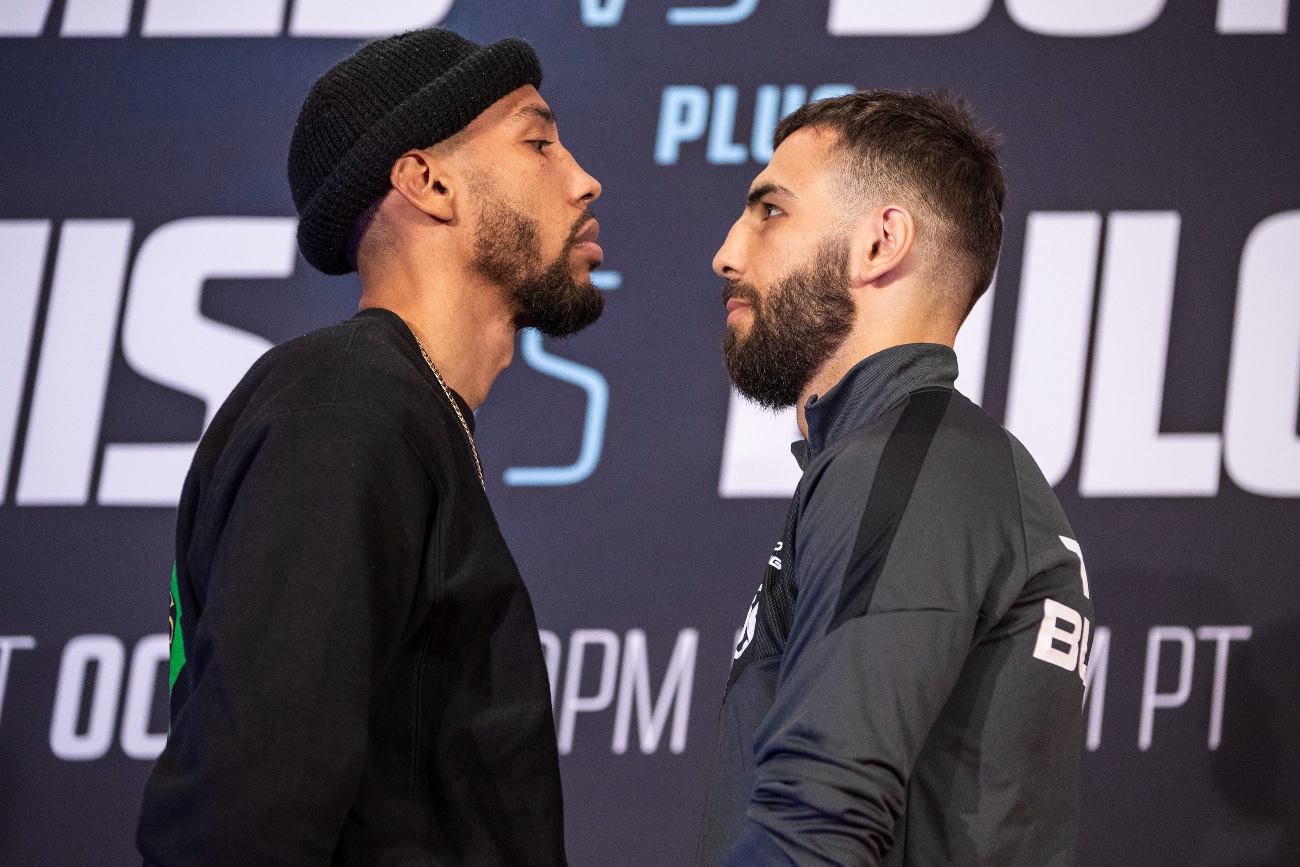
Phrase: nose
(586,188)
(727,261)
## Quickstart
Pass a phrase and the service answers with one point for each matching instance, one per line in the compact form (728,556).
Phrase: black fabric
(407,91)
(364,683)
(773,605)
(900,464)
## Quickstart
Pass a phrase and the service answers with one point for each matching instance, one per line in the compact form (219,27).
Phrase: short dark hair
(927,149)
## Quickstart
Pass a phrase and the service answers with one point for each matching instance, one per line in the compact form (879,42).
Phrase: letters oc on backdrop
(95,679)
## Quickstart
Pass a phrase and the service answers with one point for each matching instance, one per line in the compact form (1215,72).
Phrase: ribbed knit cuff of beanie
(407,91)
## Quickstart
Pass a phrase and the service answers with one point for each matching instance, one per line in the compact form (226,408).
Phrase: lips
(590,232)
(585,242)
(738,297)
(736,308)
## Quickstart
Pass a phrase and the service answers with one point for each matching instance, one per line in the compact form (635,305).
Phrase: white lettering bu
(224,18)
(1075,652)
(1125,453)
(1067,649)
(1071,18)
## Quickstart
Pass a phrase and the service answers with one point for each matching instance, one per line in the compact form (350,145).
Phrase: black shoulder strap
(900,465)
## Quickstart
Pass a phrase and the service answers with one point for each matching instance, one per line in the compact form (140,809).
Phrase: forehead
(519,108)
(517,111)
(802,164)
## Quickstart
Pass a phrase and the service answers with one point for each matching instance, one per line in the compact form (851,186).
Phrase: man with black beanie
(356,672)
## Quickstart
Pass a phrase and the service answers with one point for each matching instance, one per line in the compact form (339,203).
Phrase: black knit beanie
(407,91)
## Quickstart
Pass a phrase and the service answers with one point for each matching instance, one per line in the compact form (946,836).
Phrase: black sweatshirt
(363,681)
(907,688)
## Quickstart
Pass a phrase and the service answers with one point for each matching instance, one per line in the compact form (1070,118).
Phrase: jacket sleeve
(867,670)
(308,592)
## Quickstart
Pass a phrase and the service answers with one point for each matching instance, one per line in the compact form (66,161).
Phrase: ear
(880,244)
(424,180)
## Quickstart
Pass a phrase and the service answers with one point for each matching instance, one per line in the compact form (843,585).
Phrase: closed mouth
(590,232)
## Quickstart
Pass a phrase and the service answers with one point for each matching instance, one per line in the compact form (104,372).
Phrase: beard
(803,320)
(508,251)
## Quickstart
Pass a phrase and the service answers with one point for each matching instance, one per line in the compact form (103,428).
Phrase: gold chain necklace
(455,406)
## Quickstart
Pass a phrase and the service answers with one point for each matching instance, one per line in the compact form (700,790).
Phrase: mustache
(738,289)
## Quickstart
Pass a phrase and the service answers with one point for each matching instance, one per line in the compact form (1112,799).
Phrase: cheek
(772,250)
(541,195)
(767,264)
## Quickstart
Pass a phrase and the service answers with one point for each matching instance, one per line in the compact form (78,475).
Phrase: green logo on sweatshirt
(177,637)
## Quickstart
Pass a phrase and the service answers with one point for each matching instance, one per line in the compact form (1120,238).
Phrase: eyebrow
(763,190)
(538,111)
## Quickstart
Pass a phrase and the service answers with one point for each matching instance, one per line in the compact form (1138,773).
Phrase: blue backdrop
(1142,337)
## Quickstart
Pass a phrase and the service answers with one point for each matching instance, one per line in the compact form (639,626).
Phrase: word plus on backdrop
(1142,338)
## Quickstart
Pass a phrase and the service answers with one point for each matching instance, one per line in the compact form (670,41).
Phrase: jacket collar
(874,385)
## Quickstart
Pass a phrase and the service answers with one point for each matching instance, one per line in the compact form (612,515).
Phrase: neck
(463,322)
(872,332)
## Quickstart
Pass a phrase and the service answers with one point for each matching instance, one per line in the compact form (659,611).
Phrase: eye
(541,144)
(769,210)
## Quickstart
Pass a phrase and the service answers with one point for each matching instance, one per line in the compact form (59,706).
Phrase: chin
(739,330)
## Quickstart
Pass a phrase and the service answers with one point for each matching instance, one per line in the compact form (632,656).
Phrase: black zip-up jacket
(363,682)
(907,688)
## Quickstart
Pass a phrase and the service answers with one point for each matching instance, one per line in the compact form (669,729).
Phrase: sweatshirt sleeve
(303,604)
(892,587)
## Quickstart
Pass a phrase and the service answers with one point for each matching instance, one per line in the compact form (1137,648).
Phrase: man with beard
(906,688)
(356,671)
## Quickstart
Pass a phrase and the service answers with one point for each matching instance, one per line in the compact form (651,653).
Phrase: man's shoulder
(984,462)
(953,458)
(354,368)
(356,363)
(971,434)
(366,343)
(990,468)
(939,428)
